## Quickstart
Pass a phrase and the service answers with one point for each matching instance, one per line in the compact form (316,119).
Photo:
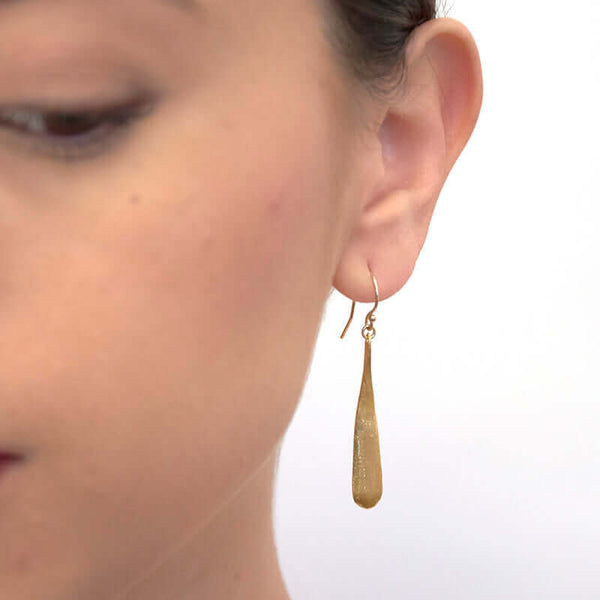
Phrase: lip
(8,459)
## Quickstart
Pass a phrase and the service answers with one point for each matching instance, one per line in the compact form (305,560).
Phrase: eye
(71,133)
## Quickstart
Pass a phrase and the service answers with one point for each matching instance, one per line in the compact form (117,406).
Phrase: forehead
(183,6)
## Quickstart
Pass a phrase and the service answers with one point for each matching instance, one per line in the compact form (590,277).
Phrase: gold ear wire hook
(350,319)
(370,316)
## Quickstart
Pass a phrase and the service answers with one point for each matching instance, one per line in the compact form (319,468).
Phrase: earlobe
(421,134)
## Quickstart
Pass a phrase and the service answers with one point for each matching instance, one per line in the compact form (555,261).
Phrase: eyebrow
(185,5)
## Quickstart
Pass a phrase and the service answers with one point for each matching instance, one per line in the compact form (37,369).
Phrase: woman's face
(162,281)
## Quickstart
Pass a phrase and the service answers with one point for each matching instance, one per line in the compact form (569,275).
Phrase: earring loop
(368,326)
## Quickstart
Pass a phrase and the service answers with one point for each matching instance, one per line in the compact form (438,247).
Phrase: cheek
(215,304)
(169,346)
(168,339)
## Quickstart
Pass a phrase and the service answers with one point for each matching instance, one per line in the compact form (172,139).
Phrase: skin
(161,300)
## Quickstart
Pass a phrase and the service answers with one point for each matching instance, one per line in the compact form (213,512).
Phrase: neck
(233,558)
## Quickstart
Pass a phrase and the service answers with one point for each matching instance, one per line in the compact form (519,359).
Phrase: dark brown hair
(370,38)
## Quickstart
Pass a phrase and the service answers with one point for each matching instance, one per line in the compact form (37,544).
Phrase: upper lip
(4,455)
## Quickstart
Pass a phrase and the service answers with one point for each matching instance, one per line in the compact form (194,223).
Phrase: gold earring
(366,461)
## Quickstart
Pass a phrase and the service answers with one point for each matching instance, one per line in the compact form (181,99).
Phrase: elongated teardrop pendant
(366,465)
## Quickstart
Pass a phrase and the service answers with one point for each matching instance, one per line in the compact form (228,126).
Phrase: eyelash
(104,125)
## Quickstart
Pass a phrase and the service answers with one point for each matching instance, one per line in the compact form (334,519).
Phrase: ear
(419,136)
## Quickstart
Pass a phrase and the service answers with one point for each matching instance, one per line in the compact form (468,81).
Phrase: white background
(485,365)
